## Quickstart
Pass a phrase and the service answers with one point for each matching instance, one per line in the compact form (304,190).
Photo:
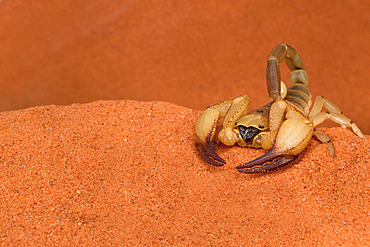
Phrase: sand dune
(127,173)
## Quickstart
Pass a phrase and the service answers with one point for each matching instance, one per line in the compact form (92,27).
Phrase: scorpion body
(284,125)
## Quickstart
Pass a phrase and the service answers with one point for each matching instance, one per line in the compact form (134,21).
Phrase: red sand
(127,173)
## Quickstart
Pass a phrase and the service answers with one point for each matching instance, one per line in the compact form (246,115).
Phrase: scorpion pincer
(284,125)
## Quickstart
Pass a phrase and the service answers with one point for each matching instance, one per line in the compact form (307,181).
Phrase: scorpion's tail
(297,95)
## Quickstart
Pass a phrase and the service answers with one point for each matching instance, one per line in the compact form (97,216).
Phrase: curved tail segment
(297,95)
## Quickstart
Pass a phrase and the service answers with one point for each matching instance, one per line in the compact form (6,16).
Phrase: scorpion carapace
(284,125)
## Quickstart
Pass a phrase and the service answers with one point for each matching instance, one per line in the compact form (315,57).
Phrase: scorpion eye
(248,132)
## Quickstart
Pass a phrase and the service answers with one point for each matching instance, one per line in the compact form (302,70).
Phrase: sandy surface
(127,173)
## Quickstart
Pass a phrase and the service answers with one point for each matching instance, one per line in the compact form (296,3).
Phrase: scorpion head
(253,126)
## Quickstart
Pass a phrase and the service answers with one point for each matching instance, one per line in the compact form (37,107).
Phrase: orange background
(191,53)
(127,172)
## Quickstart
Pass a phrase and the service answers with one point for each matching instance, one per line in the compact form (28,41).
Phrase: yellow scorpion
(284,125)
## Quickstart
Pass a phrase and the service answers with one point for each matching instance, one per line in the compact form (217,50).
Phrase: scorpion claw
(204,132)
(267,162)
(208,154)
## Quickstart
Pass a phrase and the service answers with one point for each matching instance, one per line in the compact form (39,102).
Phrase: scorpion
(284,125)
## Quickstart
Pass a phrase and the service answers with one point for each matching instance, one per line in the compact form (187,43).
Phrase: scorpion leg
(334,114)
(324,138)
